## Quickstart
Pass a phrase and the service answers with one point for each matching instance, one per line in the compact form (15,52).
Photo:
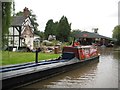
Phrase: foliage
(20,13)
(48,43)
(50,28)
(24,57)
(41,34)
(63,29)
(116,34)
(34,20)
(65,44)
(55,28)
(70,39)
(6,17)
(60,29)
(56,42)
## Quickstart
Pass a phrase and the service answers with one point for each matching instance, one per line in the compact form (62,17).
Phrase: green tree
(6,17)
(63,29)
(41,34)
(116,34)
(20,13)
(49,29)
(34,20)
(55,25)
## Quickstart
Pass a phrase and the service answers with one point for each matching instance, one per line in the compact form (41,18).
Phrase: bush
(47,43)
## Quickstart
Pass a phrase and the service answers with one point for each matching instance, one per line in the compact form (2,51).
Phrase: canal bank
(102,74)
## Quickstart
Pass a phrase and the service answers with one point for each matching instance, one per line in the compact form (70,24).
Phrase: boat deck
(14,71)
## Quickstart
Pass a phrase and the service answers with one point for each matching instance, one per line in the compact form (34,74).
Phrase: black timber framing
(18,24)
(19,36)
(13,35)
(18,28)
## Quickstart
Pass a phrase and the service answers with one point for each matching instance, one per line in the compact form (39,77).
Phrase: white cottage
(21,32)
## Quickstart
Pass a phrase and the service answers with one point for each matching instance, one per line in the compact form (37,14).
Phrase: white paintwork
(28,40)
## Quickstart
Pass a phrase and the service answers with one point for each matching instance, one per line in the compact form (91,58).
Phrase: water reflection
(102,74)
(71,79)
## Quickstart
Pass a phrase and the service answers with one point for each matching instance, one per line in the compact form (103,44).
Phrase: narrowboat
(80,52)
(72,57)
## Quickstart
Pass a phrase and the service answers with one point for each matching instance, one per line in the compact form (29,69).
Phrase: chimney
(95,30)
(26,12)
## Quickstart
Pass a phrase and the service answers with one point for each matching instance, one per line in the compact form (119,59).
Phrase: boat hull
(41,72)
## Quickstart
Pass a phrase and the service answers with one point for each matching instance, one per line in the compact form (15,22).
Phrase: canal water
(97,74)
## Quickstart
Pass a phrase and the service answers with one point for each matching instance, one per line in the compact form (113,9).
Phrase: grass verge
(9,58)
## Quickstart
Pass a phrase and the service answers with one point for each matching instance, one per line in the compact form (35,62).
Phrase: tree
(6,17)
(55,25)
(116,34)
(60,29)
(40,33)
(20,13)
(63,29)
(49,29)
(34,20)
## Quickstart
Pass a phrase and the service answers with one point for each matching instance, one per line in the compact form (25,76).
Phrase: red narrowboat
(80,52)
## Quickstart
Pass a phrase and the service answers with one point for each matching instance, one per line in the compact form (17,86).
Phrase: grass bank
(9,58)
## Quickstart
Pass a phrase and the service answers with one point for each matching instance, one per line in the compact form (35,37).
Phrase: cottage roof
(17,20)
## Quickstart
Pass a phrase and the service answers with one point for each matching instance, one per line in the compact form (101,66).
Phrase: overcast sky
(83,14)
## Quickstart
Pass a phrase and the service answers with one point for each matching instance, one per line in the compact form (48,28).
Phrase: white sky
(83,14)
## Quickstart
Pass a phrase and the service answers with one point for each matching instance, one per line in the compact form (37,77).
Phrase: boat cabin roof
(85,47)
